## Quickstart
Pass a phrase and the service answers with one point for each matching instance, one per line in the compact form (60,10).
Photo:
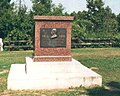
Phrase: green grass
(105,61)
(12,57)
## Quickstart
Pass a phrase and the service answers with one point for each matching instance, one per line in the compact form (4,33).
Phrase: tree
(57,10)
(82,26)
(94,6)
(41,7)
(110,22)
(105,24)
(6,12)
(118,19)
(95,10)
(46,7)
(22,25)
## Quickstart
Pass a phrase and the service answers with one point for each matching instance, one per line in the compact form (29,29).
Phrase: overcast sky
(76,5)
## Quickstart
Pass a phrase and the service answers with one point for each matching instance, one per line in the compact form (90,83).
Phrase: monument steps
(57,75)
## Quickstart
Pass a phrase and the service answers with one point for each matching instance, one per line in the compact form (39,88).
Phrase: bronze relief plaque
(52,37)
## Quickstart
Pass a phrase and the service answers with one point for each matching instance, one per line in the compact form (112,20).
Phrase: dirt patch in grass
(4,71)
(1,79)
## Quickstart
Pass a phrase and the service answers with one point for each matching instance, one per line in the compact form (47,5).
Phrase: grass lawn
(105,61)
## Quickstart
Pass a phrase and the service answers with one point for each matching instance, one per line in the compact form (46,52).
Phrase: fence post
(1,45)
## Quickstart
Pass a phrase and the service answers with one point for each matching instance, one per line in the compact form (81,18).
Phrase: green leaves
(97,22)
(46,7)
(5,17)
(16,23)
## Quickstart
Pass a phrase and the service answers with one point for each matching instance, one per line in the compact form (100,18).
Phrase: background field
(105,61)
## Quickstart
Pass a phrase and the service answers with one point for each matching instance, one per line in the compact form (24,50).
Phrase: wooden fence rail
(76,43)
(17,45)
(95,42)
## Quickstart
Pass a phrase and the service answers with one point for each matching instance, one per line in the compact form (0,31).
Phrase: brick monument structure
(58,47)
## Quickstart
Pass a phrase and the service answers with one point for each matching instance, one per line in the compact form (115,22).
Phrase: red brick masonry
(53,54)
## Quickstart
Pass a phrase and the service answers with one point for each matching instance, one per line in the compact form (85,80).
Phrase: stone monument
(52,66)
(52,38)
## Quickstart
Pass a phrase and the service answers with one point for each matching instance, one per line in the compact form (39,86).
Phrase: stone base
(51,75)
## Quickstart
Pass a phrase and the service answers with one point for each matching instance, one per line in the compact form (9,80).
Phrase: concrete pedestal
(51,75)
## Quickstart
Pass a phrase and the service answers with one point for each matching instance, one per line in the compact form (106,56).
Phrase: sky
(80,5)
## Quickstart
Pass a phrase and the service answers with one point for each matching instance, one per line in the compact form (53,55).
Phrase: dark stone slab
(52,37)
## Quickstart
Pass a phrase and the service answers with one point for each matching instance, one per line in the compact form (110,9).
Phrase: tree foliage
(118,19)
(17,23)
(22,28)
(98,21)
(46,7)
(5,17)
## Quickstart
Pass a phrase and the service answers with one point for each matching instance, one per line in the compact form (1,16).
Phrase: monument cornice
(54,18)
